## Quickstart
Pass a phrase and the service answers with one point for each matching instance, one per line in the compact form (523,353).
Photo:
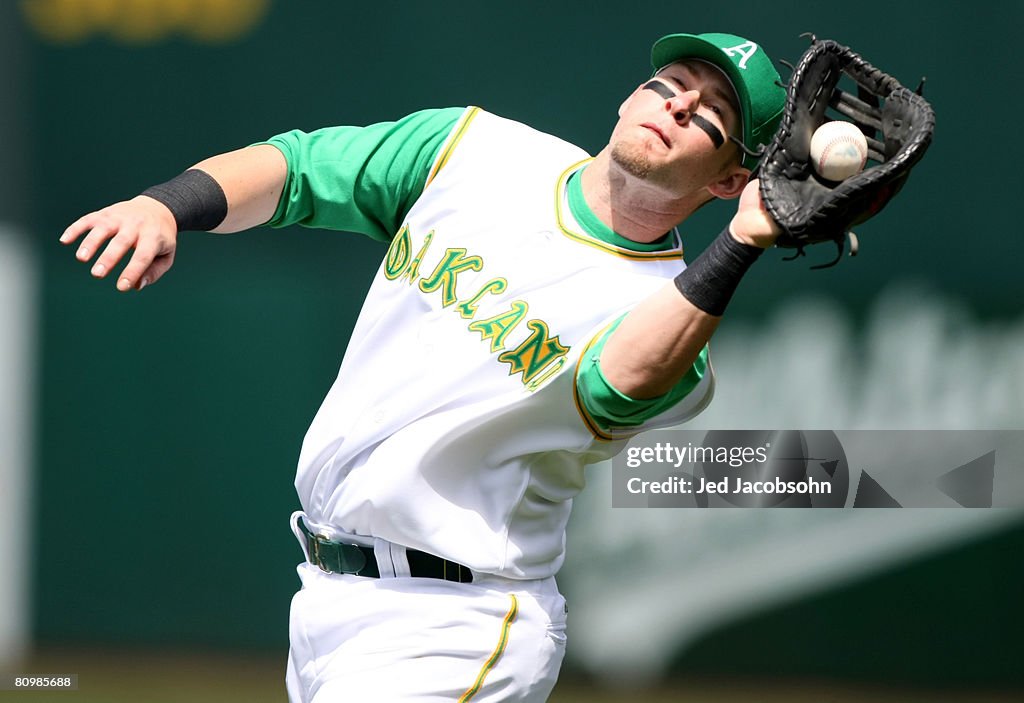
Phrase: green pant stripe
(506,625)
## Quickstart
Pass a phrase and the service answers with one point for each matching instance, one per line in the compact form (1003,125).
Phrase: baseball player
(531,312)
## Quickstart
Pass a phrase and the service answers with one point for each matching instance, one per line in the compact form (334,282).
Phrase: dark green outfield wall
(951,620)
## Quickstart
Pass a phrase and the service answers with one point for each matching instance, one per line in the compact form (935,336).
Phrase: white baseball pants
(426,640)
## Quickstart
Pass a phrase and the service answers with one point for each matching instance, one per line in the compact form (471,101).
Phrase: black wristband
(712,278)
(194,198)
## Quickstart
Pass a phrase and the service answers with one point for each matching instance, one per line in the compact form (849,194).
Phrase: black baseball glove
(897,122)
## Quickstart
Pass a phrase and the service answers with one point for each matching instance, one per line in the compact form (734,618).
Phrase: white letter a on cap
(746,50)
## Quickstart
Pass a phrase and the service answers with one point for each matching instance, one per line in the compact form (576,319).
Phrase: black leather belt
(341,558)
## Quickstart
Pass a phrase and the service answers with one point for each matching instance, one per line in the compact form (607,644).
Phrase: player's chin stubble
(632,161)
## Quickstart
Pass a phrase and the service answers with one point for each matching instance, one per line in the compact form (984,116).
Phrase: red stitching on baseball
(837,140)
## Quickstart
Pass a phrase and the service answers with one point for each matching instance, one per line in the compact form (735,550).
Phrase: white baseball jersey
(454,425)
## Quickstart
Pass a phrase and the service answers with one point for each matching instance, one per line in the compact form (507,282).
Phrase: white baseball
(838,150)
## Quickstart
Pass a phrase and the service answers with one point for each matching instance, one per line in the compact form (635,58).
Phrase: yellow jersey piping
(453,141)
(590,422)
(674,253)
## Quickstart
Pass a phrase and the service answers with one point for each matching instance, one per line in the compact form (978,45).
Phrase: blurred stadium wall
(168,423)
(18,278)
(18,322)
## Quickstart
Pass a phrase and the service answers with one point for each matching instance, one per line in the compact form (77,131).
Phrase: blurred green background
(166,425)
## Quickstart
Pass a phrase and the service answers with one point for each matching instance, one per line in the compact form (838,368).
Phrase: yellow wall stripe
(453,141)
(506,625)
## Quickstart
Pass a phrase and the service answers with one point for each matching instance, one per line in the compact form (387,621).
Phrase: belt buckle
(317,541)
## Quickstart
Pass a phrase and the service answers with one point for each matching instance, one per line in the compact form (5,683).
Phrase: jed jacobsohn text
(729,483)
(738,486)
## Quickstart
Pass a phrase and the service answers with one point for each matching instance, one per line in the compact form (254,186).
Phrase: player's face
(666,133)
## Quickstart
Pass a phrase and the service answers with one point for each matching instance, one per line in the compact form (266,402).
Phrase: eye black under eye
(661,89)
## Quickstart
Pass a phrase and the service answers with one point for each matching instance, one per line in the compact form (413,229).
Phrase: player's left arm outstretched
(659,339)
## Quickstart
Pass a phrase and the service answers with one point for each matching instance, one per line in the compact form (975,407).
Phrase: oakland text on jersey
(537,357)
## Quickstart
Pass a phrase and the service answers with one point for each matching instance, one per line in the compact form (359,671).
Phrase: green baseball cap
(749,69)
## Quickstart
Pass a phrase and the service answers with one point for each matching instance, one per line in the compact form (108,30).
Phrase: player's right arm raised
(249,182)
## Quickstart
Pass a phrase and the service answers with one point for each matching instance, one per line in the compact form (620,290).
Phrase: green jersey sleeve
(360,179)
(612,408)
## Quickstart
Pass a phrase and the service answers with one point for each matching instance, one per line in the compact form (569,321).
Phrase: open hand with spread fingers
(141,224)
